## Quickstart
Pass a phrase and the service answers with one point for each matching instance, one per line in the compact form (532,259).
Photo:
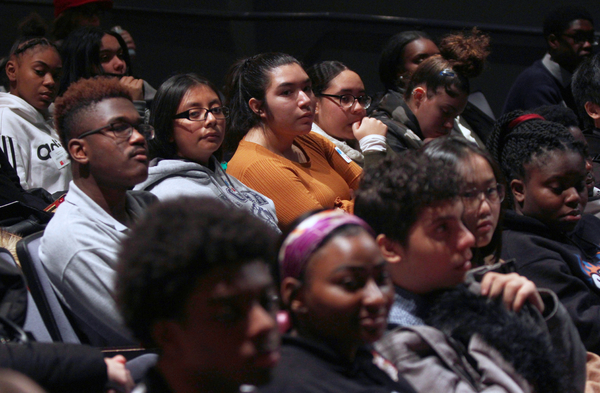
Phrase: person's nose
(118,65)
(573,197)
(49,80)
(261,321)
(466,240)
(373,295)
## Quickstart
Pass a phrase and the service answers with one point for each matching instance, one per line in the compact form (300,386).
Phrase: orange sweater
(325,181)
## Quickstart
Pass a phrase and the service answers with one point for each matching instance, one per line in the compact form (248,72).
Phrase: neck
(44,112)
(111,200)
(274,142)
(182,382)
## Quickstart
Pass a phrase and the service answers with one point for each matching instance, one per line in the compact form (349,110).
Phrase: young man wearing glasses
(107,143)
(569,33)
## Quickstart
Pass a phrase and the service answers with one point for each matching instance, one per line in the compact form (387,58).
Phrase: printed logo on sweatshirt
(591,270)
(43,151)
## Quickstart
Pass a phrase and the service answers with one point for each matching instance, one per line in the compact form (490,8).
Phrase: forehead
(557,164)
(442,98)
(230,284)
(199,95)
(475,167)
(109,42)
(420,45)
(580,25)
(357,250)
(109,110)
(450,209)
(287,74)
(45,54)
(346,80)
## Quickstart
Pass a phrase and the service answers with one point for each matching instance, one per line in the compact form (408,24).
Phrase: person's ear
(390,249)
(11,70)
(552,41)
(317,106)
(292,295)
(257,107)
(593,110)
(419,95)
(517,187)
(78,151)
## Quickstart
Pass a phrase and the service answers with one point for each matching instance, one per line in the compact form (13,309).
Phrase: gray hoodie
(172,178)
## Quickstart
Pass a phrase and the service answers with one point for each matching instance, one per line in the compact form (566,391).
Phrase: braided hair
(519,138)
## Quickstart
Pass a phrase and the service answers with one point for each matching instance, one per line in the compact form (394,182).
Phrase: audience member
(72,14)
(340,112)
(106,141)
(482,189)
(193,281)
(569,33)
(91,51)
(413,203)
(436,93)
(272,110)
(28,138)
(338,293)
(554,243)
(189,120)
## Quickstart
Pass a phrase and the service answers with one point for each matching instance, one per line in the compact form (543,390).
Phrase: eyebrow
(287,84)
(381,264)
(191,105)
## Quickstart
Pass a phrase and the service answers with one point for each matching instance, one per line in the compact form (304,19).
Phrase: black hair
(67,21)
(167,100)
(560,18)
(321,74)
(454,151)
(461,57)
(586,87)
(393,194)
(391,61)
(249,78)
(514,146)
(81,55)
(172,247)
(558,114)
(80,96)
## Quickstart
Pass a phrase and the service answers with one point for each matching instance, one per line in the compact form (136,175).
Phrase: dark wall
(182,35)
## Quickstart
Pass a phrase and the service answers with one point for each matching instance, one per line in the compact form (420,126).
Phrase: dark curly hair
(249,78)
(513,147)
(78,98)
(461,56)
(586,87)
(393,194)
(177,243)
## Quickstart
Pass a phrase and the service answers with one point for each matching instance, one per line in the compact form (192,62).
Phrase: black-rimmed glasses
(201,114)
(123,130)
(347,100)
(473,197)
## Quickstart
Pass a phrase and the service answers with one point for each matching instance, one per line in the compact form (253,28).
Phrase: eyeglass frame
(339,97)
(500,191)
(578,37)
(147,135)
(186,114)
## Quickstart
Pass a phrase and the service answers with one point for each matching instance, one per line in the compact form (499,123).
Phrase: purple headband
(300,244)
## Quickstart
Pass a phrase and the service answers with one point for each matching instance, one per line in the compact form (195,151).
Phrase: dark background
(208,36)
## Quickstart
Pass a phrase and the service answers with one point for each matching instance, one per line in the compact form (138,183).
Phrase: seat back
(34,323)
(43,294)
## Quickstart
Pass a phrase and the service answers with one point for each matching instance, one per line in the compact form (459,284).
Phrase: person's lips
(572,216)
(47,96)
(267,359)
(140,155)
(485,226)
(375,322)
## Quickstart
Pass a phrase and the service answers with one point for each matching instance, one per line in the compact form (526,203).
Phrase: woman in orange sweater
(272,110)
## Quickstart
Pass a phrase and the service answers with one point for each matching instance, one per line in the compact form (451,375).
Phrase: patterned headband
(302,242)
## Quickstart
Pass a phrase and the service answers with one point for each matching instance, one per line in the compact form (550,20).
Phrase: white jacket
(32,146)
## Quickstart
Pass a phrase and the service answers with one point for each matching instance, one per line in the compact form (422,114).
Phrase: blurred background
(208,36)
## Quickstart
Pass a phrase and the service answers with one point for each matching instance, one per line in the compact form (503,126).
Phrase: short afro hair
(560,18)
(177,243)
(586,87)
(393,194)
(80,96)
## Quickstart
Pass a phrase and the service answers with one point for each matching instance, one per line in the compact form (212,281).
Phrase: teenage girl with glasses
(341,109)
